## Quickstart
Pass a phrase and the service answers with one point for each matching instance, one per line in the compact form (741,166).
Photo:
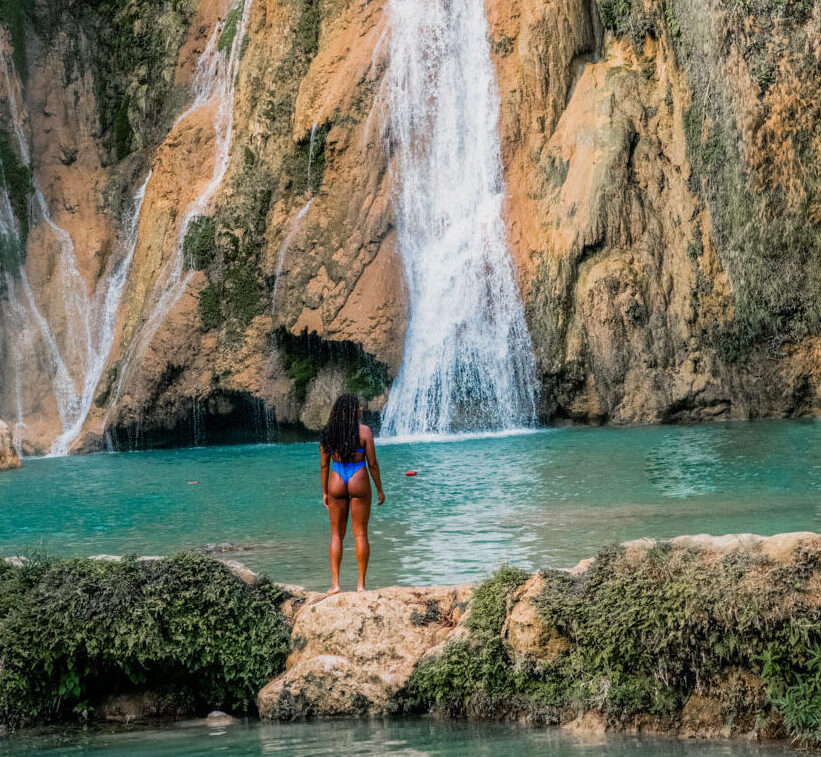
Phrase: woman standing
(346,448)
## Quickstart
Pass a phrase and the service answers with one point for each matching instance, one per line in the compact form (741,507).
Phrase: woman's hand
(325,501)
(380,497)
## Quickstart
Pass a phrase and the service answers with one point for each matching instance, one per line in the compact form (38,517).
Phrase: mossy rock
(75,632)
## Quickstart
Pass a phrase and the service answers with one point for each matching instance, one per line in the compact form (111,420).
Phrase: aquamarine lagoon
(405,738)
(534,500)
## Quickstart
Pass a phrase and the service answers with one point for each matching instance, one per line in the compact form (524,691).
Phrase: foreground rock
(8,455)
(653,636)
(354,651)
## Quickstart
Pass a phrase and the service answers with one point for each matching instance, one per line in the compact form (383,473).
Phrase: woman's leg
(338,511)
(359,488)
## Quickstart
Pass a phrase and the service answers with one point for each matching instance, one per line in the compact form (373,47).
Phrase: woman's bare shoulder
(365,432)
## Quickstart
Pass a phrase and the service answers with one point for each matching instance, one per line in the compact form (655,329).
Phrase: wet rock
(354,651)
(528,638)
(219,719)
(8,454)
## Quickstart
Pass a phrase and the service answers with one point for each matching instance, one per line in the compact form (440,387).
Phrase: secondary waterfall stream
(215,79)
(75,340)
(468,363)
(78,357)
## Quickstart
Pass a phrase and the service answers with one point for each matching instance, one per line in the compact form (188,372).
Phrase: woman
(345,446)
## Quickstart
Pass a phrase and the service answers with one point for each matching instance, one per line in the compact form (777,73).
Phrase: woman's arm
(373,465)
(324,472)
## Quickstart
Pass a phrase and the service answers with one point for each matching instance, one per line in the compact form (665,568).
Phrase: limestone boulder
(529,638)
(354,651)
(8,454)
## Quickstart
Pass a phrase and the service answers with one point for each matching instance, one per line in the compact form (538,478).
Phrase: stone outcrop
(665,240)
(372,653)
(8,454)
(353,652)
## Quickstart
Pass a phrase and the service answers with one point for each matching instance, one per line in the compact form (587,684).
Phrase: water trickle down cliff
(213,90)
(76,359)
(467,362)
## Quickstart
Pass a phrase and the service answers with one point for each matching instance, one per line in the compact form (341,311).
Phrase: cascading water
(88,333)
(215,79)
(468,363)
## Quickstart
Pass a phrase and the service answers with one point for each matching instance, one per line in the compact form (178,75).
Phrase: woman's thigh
(359,487)
(338,505)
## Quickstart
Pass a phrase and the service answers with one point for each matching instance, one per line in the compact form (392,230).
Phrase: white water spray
(468,363)
(89,320)
(286,245)
(214,80)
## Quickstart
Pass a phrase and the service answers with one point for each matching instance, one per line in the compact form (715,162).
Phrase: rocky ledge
(698,636)
(8,454)
(701,636)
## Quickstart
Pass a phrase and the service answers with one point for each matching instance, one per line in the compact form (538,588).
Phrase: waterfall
(285,246)
(89,319)
(215,78)
(468,363)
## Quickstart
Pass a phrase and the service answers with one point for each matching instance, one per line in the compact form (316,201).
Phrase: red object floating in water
(410,473)
(193,482)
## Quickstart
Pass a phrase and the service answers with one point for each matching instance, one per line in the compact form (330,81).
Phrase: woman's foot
(361,587)
(334,590)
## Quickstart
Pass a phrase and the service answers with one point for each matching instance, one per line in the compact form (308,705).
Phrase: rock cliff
(8,454)
(698,636)
(663,212)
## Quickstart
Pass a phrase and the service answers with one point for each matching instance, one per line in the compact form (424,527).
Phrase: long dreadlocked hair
(340,436)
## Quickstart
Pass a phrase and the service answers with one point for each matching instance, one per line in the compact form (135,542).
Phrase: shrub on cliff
(646,631)
(73,632)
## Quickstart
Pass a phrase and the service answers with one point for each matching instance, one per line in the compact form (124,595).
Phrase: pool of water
(404,737)
(545,499)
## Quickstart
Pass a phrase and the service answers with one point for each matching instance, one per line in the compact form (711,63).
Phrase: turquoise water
(409,737)
(545,499)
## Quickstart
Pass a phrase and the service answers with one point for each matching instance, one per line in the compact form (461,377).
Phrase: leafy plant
(229,30)
(73,632)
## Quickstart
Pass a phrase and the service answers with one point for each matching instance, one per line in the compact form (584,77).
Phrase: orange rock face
(622,266)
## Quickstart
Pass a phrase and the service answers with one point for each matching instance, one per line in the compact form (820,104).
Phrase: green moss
(300,178)
(129,48)
(628,18)
(18,180)
(641,636)
(123,133)
(73,632)
(200,243)
(229,30)
(14,15)
(209,307)
(305,355)
(307,28)
(472,676)
(768,244)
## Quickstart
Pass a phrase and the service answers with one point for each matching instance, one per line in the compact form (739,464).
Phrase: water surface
(545,499)
(403,737)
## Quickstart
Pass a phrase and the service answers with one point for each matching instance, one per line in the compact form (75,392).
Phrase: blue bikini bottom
(346,470)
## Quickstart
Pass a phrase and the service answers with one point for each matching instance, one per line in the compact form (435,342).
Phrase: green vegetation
(73,632)
(18,180)
(296,163)
(13,15)
(304,356)
(307,29)
(209,307)
(761,185)
(200,243)
(473,676)
(629,18)
(123,133)
(229,30)
(130,48)
(641,636)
